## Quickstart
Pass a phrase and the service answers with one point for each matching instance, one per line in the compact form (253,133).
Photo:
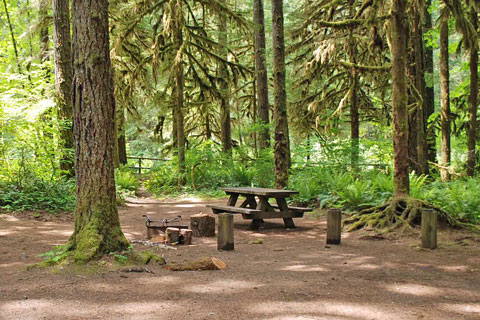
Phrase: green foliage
(54,256)
(52,196)
(126,182)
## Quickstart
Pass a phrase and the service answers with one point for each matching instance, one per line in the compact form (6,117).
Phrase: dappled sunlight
(65,233)
(462,308)
(159,280)
(12,264)
(49,308)
(9,218)
(305,268)
(414,289)
(189,206)
(462,268)
(226,286)
(319,307)
(4,233)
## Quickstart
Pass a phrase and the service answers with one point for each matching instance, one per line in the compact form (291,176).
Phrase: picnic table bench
(256,211)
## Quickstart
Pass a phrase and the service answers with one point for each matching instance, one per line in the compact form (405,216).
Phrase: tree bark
(422,152)
(177,15)
(97,225)
(282,145)
(63,82)
(399,29)
(472,101)
(444,99)
(43,32)
(354,113)
(261,74)
(226,131)
(122,141)
(429,100)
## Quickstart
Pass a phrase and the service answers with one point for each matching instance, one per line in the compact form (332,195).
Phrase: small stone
(328,247)
(25,297)
(345,262)
(122,275)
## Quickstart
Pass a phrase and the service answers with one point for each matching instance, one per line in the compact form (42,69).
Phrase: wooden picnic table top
(274,193)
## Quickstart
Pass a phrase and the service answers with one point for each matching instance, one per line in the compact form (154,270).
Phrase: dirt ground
(292,275)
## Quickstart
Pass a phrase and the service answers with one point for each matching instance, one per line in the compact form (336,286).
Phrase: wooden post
(429,229)
(334,226)
(225,232)
(139,166)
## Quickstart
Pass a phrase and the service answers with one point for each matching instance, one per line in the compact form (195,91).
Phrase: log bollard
(429,229)
(334,226)
(225,232)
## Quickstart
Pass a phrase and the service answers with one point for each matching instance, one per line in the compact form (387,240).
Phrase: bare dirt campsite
(273,273)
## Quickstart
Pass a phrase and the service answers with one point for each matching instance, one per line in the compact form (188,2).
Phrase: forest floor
(291,275)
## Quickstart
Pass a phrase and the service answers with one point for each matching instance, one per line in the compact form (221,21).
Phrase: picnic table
(257,210)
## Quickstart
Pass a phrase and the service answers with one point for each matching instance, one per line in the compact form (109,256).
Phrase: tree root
(400,213)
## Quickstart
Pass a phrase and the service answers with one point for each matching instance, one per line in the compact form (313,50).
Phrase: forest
(112,111)
(199,86)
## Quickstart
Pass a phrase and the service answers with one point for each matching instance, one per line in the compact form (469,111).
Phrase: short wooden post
(225,232)
(429,229)
(334,226)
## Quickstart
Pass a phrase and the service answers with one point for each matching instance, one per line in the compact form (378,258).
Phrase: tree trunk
(399,29)
(63,82)
(282,145)
(261,74)
(177,14)
(97,225)
(472,101)
(122,141)
(43,32)
(429,99)
(422,152)
(444,99)
(12,35)
(354,114)
(226,131)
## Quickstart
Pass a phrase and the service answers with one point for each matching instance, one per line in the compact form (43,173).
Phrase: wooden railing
(140,168)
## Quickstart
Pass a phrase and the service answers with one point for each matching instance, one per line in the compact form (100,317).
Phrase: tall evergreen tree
(399,29)
(97,225)
(63,81)
(261,72)
(472,100)
(226,131)
(444,96)
(282,145)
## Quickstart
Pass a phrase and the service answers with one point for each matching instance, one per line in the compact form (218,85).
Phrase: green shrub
(126,182)
(52,196)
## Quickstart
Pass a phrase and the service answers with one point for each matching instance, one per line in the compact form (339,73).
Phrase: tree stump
(187,236)
(172,235)
(202,225)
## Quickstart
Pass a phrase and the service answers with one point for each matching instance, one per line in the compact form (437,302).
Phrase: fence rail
(139,168)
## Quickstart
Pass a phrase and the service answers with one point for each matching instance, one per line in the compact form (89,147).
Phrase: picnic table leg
(232,200)
(283,206)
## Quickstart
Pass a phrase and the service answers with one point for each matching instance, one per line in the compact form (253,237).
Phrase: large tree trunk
(282,145)
(63,82)
(472,101)
(226,131)
(97,225)
(429,99)
(399,29)
(422,153)
(444,99)
(261,73)
(179,86)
